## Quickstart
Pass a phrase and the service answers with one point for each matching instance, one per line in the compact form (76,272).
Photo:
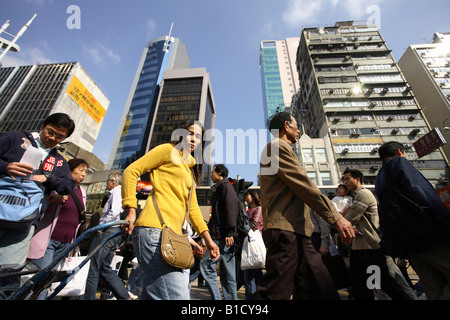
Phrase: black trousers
(360,260)
(293,267)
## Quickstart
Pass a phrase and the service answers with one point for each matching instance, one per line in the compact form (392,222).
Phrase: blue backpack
(20,202)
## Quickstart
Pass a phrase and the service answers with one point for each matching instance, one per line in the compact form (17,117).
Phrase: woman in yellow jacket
(171,167)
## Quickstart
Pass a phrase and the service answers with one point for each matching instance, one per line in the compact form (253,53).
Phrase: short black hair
(61,120)
(76,162)
(389,149)
(355,173)
(221,170)
(277,120)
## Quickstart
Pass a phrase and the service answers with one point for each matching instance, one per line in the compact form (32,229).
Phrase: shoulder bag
(175,248)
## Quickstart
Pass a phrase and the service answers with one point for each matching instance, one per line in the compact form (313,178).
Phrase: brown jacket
(286,192)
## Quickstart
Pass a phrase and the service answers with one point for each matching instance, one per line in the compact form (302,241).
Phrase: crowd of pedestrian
(306,234)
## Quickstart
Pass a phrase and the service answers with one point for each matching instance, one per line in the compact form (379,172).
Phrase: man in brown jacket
(287,194)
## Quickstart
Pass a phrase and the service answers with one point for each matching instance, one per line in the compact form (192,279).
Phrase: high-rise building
(161,54)
(279,75)
(354,94)
(427,69)
(185,94)
(29,94)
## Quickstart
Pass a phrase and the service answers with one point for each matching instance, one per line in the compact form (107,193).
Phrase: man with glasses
(52,174)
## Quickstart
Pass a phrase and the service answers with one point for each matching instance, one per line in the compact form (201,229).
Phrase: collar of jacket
(218,185)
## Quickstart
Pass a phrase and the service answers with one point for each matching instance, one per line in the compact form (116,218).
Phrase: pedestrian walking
(171,167)
(430,254)
(365,251)
(58,227)
(50,174)
(101,261)
(223,229)
(286,194)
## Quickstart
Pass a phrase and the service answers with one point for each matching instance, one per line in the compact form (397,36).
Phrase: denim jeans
(101,265)
(54,249)
(227,273)
(160,281)
(14,244)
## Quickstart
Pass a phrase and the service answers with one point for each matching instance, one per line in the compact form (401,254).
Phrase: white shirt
(113,207)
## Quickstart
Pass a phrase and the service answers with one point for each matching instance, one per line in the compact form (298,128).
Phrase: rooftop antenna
(168,40)
(6,45)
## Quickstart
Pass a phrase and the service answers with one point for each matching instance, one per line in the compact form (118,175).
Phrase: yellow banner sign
(84,98)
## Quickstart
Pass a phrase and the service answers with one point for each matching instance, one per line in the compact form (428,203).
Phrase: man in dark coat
(222,227)
(432,260)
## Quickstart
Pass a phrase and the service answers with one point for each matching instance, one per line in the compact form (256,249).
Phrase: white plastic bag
(77,285)
(253,251)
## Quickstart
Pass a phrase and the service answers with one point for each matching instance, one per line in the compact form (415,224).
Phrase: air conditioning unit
(395,131)
(414,132)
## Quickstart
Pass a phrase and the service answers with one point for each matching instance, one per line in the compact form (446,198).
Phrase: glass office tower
(185,94)
(279,76)
(131,140)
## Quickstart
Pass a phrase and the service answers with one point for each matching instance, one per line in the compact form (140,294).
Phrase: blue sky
(222,36)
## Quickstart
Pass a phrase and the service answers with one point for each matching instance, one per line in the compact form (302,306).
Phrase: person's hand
(214,251)
(346,231)
(324,251)
(229,241)
(17,169)
(131,218)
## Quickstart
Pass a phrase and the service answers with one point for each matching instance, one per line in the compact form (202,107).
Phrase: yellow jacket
(171,179)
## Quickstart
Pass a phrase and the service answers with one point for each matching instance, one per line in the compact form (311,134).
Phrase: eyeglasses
(52,133)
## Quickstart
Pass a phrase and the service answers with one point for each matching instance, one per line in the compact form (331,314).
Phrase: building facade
(29,94)
(316,157)
(185,94)
(279,77)
(132,138)
(354,93)
(427,69)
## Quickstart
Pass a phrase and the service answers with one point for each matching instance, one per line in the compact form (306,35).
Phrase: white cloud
(150,28)
(40,2)
(101,54)
(26,56)
(300,12)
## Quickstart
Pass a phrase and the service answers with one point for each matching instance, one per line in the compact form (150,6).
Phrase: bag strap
(158,212)
(77,201)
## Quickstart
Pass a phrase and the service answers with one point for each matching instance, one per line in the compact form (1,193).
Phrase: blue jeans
(160,281)
(14,244)
(54,249)
(101,265)
(227,273)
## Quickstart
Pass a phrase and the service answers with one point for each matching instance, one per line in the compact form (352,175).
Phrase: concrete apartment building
(354,93)
(29,94)
(426,67)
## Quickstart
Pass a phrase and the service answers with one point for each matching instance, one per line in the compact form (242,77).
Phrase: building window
(321,155)
(326,178)
(307,155)
(312,176)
